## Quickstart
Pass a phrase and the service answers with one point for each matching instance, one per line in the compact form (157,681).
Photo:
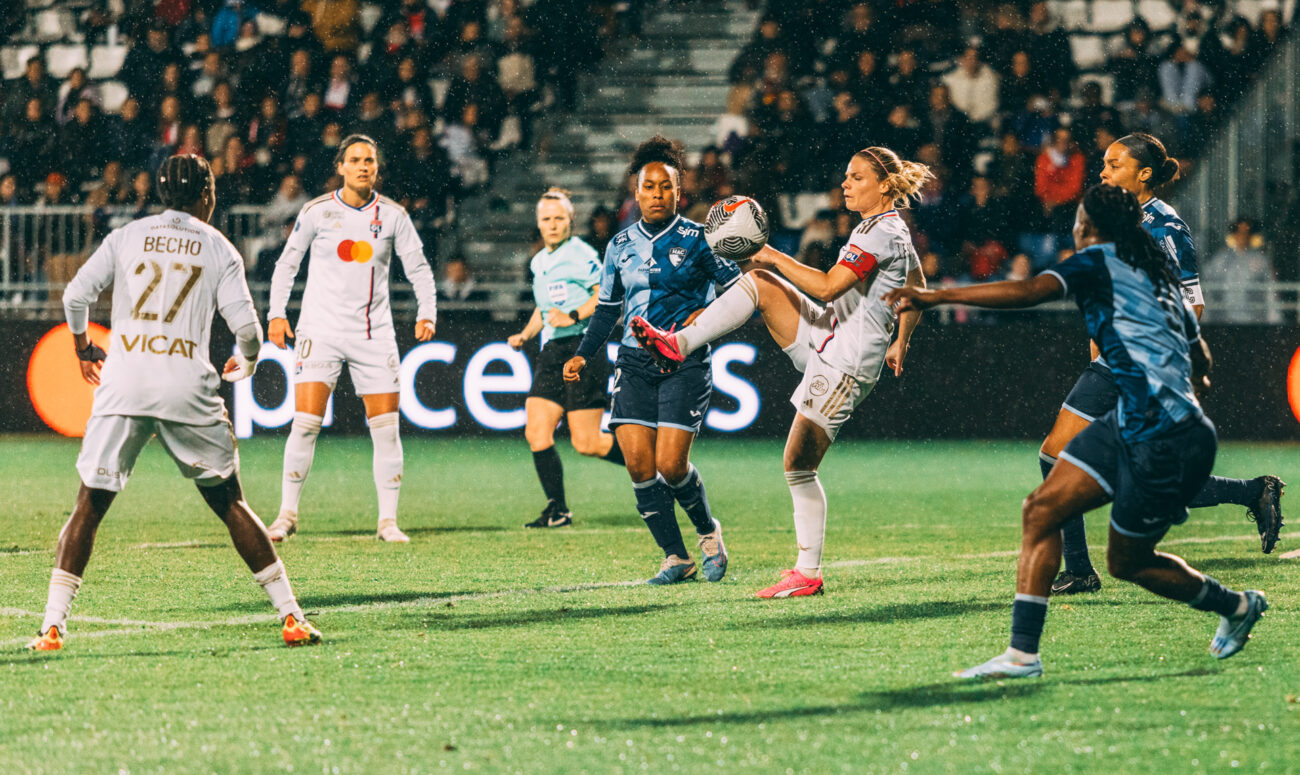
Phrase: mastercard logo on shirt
(359,251)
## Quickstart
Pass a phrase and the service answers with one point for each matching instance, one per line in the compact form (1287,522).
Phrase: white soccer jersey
(170,272)
(347,279)
(880,253)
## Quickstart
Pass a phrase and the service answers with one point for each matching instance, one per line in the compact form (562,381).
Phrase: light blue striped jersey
(1142,331)
(1172,235)
(662,277)
(563,279)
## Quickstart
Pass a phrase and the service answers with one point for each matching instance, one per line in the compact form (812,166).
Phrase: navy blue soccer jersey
(1142,332)
(664,277)
(1174,238)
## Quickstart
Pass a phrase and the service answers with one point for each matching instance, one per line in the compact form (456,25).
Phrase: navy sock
(690,493)
(1028,613)
(1217,598)
(655,503)
(551,473)
(1045,463)
(1074,547)
(1242,492)
(614,455)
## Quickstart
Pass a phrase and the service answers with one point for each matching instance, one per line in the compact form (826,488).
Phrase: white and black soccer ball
(736,228)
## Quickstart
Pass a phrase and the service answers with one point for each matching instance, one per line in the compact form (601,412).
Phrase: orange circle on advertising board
(54,384)
(1293,384)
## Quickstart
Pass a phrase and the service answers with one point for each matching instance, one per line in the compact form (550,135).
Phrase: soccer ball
(736,228)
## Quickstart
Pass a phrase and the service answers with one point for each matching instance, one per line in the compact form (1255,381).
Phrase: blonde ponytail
(904,179)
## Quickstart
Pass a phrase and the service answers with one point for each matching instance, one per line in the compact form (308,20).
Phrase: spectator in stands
(601,228)
(62,242)
(470,42)
(950,130)
(221,117)
(860,33)
(1182,77)
(143,67)
(908,85)
(1011,171)
(142,198)
(1034,125)
(127,137)
(1018,85)
(286,203)
(732,127)
(410,90)
(1241,275)
(374,120)
(1231,60)
(212,71)
(973,87)
(71,92)
(268,132)
(516,73)
(1005,39)
(1049,49)
(457,284)
(1091,114)
(32,140)
(111,193)
(80,153)
(715,178)
(901,131)
(1102,139)
(1147,116)
(335,23)
(425,186)
(299,37)
(301,82)
(842,137)
(1268,35)
(1133,65)
(561,56)
(767,40)
(171,85)
(35,84)
(304,130)
(462,141)
(1198,128)
(1058,184)
(338,89)
(869,87)
(474,86)
(984,223)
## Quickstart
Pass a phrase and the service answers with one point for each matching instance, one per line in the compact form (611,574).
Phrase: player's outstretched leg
(1262,497)
(299,452)
(1168,575)
(226,499)
(689,492)
(76,542)
(388,463)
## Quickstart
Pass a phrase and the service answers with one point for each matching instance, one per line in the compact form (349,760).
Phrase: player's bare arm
(907,322)
(823,286)
(1015,294)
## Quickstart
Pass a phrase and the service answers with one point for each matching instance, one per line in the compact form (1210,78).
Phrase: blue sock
(1216,598)
(1242,492)
(1028,613)
(655,503)
(690,493)
(1045,463)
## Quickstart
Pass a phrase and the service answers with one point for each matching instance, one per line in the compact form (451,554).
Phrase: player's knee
(587,444)
(1120,566)
(1037,513)
(539,438)
(674,470)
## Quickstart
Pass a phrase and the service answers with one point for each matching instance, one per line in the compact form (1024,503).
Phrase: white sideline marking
(134,627)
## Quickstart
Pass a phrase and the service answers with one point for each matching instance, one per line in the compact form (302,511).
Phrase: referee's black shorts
(589,392)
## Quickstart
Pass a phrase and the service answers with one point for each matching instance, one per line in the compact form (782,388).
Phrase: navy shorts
(643,395)
(1094,393)
(1149,482)
(548,377)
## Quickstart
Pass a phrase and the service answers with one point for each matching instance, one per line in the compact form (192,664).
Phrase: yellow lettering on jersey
(130,344)
(160,344)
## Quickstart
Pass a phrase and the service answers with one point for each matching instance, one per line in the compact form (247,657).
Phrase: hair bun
(1169,170)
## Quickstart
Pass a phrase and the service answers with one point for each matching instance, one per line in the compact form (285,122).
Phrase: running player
(840,349)
(566,280)
(660,268)
(1139,164)
(1148,456)
(170,272)
(350,236)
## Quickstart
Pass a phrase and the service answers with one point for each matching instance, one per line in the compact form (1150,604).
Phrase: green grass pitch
(484,647)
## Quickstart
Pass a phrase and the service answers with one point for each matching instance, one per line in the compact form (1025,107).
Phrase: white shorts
(205,453)
(826,395)
(373,363)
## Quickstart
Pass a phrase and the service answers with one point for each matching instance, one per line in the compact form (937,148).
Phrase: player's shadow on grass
(312,603)
(188,654)
(1220,564)
(444,622)
(417,531)
(882,614)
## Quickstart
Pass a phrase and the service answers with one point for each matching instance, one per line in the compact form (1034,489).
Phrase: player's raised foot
(793,584)
(50,640)
(1267,512)
(715,554)
(390,532)
(661,345)
(1004,665)
(552,516)
(1068,583)
(1234,631)
(300,632)
(284,526)
(674,570)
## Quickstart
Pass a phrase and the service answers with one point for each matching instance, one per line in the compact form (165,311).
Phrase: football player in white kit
(170,272)
(350,236)
(841,349)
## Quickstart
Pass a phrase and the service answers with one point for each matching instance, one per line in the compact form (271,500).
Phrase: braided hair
(659,149)
(1117,217)
(182,179)
(1150,152)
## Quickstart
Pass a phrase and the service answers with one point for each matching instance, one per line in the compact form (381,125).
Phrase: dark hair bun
(1168,170)
(658,149)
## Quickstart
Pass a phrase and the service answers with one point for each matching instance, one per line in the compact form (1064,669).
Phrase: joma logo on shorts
(159,345)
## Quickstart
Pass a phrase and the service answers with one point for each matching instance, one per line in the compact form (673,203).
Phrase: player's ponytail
(1150,152)
(904,179)
(1117,215)
(182,179)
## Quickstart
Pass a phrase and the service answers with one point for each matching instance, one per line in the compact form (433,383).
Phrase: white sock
(63,589)
(298,453)
(809,520)
(727,313)
(275,581)
(388,462)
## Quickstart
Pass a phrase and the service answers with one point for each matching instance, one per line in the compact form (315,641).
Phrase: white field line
(133,627)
